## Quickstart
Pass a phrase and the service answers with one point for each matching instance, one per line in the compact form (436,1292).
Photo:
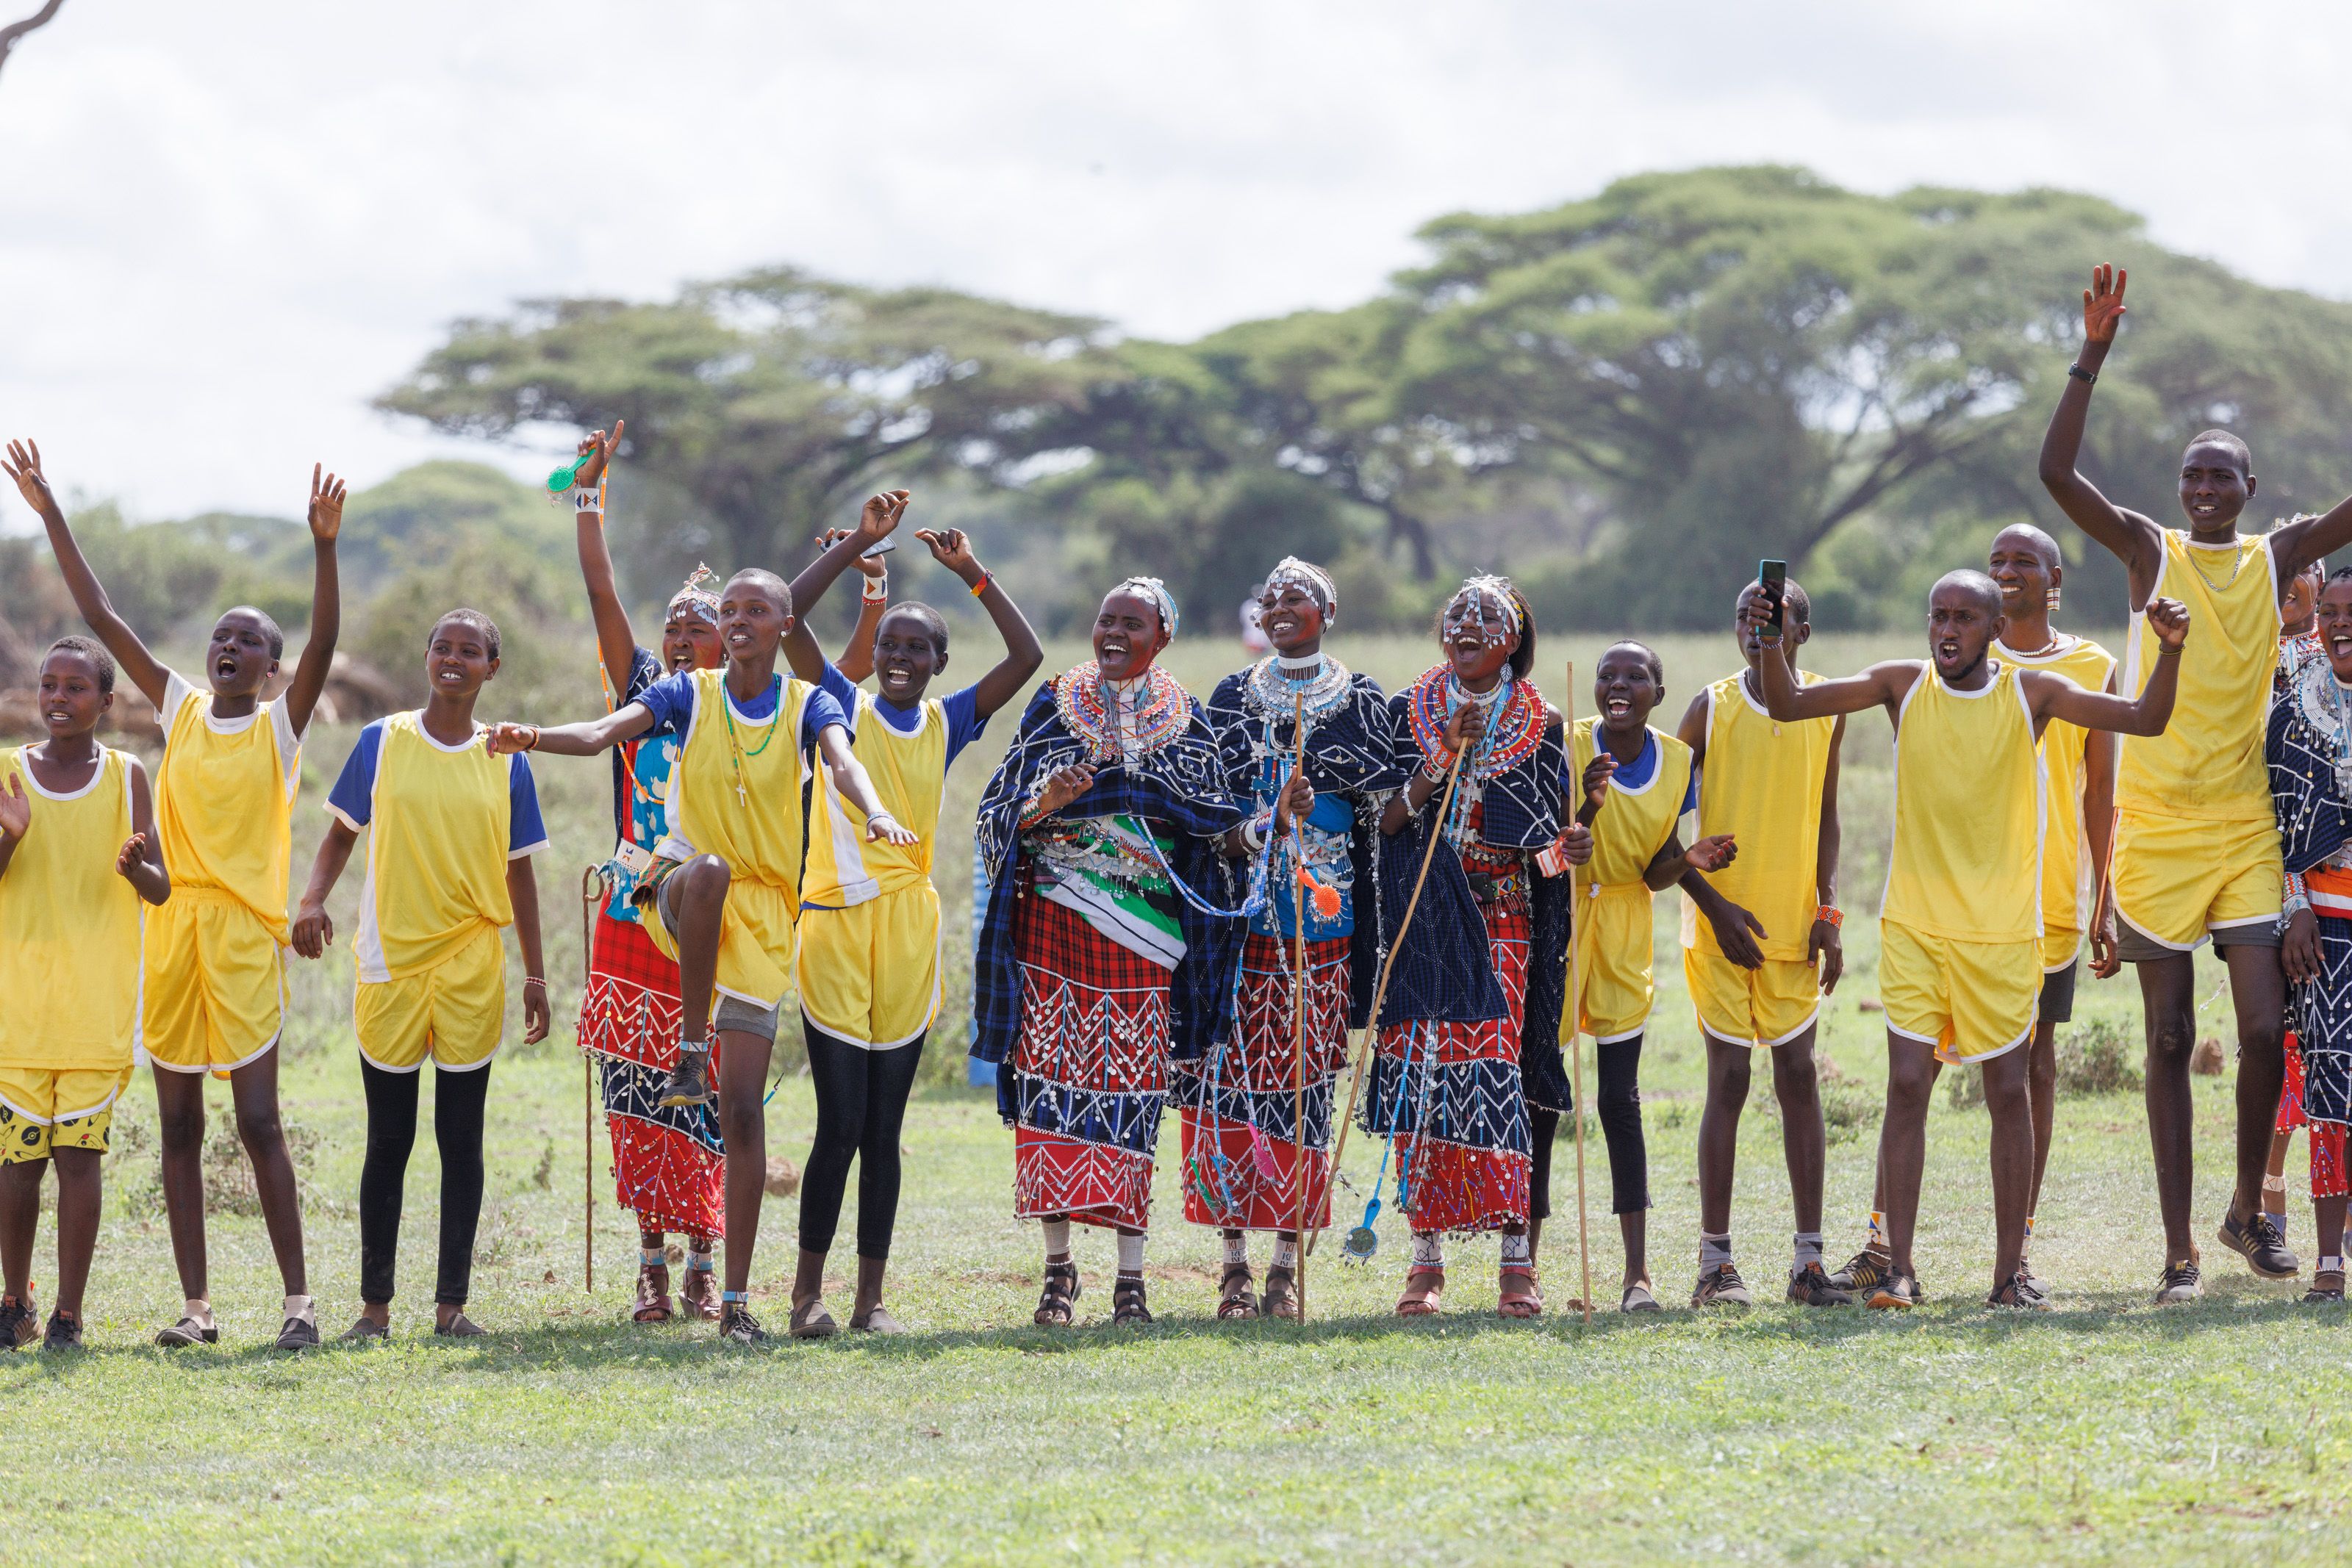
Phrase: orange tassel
(1326,899)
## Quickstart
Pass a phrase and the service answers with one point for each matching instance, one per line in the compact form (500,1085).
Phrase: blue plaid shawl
(2315,821)
(1181,787)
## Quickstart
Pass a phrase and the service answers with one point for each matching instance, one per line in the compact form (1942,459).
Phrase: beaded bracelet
(982,586)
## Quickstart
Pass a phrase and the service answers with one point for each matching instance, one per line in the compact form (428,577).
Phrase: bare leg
(2010,1103)
(20,1218)
(180,1121)
(1804,1141)
(254,1090)
(77,1207)
(808,1276)
(1718,1133)
(744,1128)
(2274,1198)
(2258,990)
(1903,1141)
(2168,1005)
(2041,1089)
(701,902)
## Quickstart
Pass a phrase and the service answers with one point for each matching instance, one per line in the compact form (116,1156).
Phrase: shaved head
(1984,588)
(2033,538)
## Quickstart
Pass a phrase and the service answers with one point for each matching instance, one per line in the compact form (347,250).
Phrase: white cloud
(227,226)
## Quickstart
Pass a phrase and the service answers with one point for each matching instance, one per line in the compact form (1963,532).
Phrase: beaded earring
(2051,598)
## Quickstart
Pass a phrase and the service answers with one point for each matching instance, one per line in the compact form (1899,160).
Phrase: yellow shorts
(454,1012)
(1763,1006)
(1971,1001)
(1614,948)
(2059,948)
(755,932)
(2177,878)
(869,974)
(45,1108)
(215,983)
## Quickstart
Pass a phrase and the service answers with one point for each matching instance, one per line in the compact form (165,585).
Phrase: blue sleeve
(822,710)
(1690,795)
(835,684)
(671,702)
(965,721)
(353,797)
(526,834)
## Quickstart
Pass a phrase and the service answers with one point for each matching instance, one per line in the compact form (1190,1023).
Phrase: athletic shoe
(460,1327)
(689,1080)
(2179,1282)
(19,1325)
(65,1333)
(186,1332)
(1809,1287)
(2021,1292)
(299,1334)
(1896,1292)
(737,1324)
(2259,1242)
(1865,1271)
(1721,1286)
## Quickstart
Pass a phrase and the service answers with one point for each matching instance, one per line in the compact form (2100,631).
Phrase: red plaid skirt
(1095,1035)
(1227,1182)
(2327,1175)
(665,1166)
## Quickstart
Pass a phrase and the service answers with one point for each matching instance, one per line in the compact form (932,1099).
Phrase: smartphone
(1773,575)
(883,545)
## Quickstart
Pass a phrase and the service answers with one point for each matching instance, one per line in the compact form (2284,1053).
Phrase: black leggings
(457,1105)
(1621,1124)
(861,1101)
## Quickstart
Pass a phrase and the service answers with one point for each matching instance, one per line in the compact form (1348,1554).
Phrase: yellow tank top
(2066,868)
(1762,783)
(909,773)
(1635,823)
(1967,860)
(737,791)
(437,861)
(224,801)
(2207,763)
(70,929)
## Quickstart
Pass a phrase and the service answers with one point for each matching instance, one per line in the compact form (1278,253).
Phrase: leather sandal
(701,1293)
(1127,1305)
(1235,1303)
(654,1305)
(1281,1299)
(1429,1302)
(460,1327)
(1058,1303)
(1521,1293)
(876,1319)
(811,1321)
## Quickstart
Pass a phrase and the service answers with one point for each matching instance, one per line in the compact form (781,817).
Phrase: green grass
(2107,1429)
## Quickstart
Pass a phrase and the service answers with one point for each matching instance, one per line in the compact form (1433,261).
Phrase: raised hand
(598,448)
(1597,774)
(503,738)
(875,568)
(15,810)
(2103,303)
(314,932)
(880,515)
(1711,853)
(23,465)
(131,856)
(327,493)
(951,549)
(2169,619)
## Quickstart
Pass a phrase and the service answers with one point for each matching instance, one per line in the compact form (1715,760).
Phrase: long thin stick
(1576,1022)
(1298,1012)
(1380,991)
(591,893)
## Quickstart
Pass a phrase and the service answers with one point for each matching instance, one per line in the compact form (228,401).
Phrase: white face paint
(1491,616)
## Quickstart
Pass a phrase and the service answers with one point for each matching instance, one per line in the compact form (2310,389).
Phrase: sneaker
(188,1332)
(65,1333)
(1865,1271)
(2021,1292)
(460,1327)
(737,1324)
(689,1080)
(2179,1282)
(1896,1293)
(19,1325)
(299,1334)
(2259,1242)
(1809,1287)
(1721,1286)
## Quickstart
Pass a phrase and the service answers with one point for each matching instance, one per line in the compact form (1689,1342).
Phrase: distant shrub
(2093,1058)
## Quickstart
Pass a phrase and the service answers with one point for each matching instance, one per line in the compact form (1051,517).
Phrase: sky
(224,227)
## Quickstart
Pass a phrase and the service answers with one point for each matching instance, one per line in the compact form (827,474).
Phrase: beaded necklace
(1091,712)
(1512,733)
(1274,692)
(735,754)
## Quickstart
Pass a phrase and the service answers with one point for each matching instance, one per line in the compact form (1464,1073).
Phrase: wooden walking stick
(1298,1009)
(1387,963)
(592,894)
(1575,1022)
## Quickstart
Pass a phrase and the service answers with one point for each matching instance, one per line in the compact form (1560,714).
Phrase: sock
(1057,1238)
(1286,1253)
(1809,1247)
(1516,1252)
(299,1307)
(1237,1251)
(2279,1220)
(1714,1251)
(199,1308)
(1130,1255)
(1428,1250)
(1877,1230)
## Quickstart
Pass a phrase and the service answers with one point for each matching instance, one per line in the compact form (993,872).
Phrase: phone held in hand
(1773,576)
(880,547)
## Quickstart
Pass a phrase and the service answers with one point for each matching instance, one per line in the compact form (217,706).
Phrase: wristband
(530,980)
(584,500)
(2082,376)
(534,737)
(1830,914)
(877,590)
(982,586)
(2172,653)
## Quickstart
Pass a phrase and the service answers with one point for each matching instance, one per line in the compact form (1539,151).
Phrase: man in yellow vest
(2195,844)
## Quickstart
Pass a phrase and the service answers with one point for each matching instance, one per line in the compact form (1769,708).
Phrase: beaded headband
(696,597)
(1309,576)
(1496,588)
(1154,589)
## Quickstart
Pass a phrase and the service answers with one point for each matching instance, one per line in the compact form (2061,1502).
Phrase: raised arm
(2054,696)
(616,640)
(583,739)
(326,600)
(855,659)
(952,550)
(23,465)
(2294,546)
(1881,686)
(849,778)
(876,520)
(2134,540)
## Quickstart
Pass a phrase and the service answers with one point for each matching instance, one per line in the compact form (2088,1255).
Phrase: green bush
(2093,1058)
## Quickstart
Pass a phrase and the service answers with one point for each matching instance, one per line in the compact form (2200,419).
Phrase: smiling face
(1128,636)
(689,643)
(2301,599)
(1625,688)
(1961,625)
(72,701)
(2215,485)
(457,659)
(752,617)
(1291,618)
(907,654)
(1477,637)
(238,660)
(2022,565)
(2335,613)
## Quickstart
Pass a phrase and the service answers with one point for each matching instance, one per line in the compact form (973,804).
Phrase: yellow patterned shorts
(45,1108)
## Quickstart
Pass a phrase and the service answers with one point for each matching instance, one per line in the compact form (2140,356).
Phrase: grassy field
(2108,1429)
